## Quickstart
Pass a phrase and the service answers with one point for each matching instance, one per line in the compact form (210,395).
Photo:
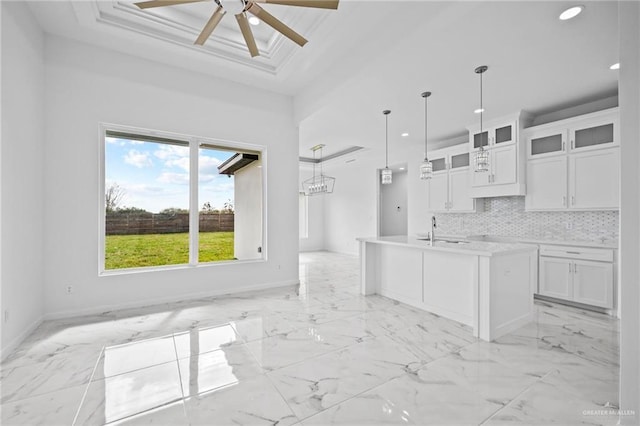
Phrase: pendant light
(481,159)
(426,169)
(385,175)
(318,184)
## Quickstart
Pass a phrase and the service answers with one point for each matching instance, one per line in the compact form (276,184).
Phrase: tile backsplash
(505,216)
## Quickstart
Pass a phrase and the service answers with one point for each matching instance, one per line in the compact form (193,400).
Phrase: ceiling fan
(240,9)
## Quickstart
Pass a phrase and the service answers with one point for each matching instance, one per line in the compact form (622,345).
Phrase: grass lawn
(133,251)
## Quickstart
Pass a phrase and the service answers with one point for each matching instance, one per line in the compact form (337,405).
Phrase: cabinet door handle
(570,271)
(575,268)
(573,252)
(573,200)
(564,201)
(563,145)
(572,144)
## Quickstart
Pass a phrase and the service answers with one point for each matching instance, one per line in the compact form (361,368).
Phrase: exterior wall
(248,212)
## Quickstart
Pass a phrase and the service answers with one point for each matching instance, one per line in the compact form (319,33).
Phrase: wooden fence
(151,223)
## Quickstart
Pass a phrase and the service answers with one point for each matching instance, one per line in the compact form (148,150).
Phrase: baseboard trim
(161,300)
(8,349)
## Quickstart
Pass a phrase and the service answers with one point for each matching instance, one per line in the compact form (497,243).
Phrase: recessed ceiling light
(405,134)
(615,66)
(401,168)
(572,12)
(479,110)
(253,20)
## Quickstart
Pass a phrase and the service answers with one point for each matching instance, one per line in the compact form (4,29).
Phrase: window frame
(194,143)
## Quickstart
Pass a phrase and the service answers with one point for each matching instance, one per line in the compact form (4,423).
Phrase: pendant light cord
(386,141)
(481,112)
(426,157)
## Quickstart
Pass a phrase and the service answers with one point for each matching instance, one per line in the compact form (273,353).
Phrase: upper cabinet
(587,132)
(507,158)
(448,188)
(573,164)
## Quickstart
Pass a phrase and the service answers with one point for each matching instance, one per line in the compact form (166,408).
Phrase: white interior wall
(248,212)
(315,216)
(23,207)
(87,85)
(629,89)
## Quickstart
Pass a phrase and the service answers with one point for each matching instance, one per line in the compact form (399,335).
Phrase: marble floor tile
(319,383)
(53,408)
(414,398)
(301,344)
(36,379)
(173,414)
(315,353)
(546,403)
(202,340)
(251,402)
(114,398)
(212,370)
(134,356)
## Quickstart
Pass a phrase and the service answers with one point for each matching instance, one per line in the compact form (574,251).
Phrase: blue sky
(155,176)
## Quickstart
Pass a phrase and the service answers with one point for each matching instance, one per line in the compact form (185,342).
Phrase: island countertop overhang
(475,248)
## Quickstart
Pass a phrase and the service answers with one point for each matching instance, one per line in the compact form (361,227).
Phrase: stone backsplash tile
(505,216)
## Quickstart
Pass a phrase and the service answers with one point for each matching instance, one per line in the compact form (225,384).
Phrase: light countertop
(476,248)
(538,240)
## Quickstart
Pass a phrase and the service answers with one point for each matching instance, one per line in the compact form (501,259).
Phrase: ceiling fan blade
(211,25)
(320,4)
(247,34)
(160,3)
(276,24)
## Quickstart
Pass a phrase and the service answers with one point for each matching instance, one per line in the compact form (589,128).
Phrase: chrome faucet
(433,230)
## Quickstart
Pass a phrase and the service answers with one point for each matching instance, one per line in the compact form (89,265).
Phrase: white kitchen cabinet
(583,275)
(574,164)
(555,277)
(546,142)
(593,283)
(448,188)
(546,184)
(439,192)
(580,181)
(502,167)
(594,131)
(497,135)
(459,198)
(594,179)
(507,158)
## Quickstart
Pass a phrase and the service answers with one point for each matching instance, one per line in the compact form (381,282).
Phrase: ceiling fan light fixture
(571,12)
(615,66)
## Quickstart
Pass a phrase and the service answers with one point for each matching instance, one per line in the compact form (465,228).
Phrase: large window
(171,200)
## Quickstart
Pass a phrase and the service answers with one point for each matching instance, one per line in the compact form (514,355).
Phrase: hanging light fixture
(386,172)
(426,169)
(482,155)
(318,184)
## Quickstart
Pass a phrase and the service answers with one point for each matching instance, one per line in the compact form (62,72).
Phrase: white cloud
(171,152)
(174,178)
(208,165)
(182,163)
(138,159)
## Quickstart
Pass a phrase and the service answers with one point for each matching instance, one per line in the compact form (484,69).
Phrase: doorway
(392,204)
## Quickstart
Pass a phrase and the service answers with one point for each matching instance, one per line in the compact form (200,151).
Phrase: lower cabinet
(575,278)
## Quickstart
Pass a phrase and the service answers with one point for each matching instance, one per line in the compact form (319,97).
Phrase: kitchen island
(486,285)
